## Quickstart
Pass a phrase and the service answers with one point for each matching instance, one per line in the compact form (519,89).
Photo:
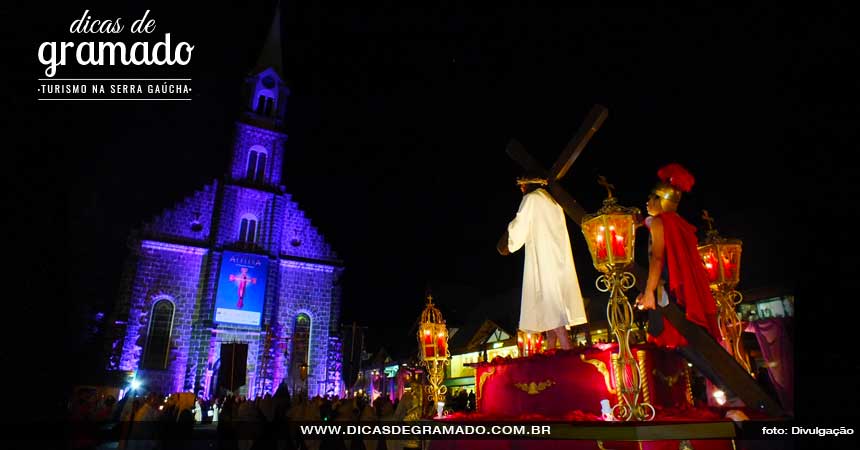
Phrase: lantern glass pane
(620,236)
(710,261)
(595,234)
(731,260)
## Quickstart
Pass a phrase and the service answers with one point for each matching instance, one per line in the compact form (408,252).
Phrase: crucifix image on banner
(242,280)
(241,289)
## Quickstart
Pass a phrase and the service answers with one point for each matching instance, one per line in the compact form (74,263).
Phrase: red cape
(688,280)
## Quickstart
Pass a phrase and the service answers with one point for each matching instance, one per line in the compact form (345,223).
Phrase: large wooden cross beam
(703,351)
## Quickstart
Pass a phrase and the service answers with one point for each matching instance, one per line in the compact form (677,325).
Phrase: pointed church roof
(271,55)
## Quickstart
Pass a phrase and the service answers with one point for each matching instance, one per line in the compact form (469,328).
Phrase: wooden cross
(703,351)
(568,155)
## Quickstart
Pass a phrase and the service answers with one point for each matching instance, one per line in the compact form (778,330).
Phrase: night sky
(398,122)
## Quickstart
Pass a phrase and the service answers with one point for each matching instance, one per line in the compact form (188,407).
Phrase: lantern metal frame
(619,313)
(714,250)
(433,325)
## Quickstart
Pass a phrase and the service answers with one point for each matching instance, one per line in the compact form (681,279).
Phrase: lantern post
(433,351)
(722,259)
(611,233)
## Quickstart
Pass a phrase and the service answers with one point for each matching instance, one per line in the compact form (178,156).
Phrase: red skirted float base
(568,386)
(565,382)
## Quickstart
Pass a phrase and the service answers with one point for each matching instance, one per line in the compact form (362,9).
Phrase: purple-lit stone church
(236,262)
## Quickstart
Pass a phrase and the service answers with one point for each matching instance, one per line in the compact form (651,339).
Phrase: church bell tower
(260,132)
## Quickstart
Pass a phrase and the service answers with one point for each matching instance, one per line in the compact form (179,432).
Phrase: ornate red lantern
(610,233)
(433,348)
(722,260)
(721,257)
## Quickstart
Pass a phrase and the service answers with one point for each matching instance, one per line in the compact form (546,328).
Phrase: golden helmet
(674,180)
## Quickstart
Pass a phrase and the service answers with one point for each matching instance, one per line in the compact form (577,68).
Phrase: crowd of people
(269,422)
(458,401)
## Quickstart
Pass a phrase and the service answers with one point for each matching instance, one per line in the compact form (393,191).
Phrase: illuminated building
(236,265)
(475,343)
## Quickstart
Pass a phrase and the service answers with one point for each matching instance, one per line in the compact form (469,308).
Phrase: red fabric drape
(669,338)
(777,349)
(688,280)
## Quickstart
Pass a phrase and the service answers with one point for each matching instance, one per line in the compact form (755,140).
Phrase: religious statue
(551,298)
(674,260)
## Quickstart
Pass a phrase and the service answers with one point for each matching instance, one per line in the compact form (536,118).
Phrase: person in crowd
(144,429)
(471,406)
(197,411)
(250,424)
(226,428)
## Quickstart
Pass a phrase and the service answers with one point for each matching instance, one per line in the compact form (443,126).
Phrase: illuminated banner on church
(241,289)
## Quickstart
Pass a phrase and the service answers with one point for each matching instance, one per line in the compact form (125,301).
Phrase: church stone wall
(300,238)
(307,288)
(238,201)
(164,271)
(188,221)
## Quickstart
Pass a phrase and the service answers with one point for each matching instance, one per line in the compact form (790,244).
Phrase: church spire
(271,55)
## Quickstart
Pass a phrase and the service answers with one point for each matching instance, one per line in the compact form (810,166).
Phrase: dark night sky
(398,122)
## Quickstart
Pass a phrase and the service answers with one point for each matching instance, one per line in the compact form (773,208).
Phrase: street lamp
(433,350)
(611,233)
(722,259)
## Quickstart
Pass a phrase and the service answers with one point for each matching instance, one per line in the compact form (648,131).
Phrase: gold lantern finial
(708,219)
(431,314)
(712,234)
(601,180)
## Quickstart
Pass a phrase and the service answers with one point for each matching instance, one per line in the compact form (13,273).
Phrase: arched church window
(270,106)
(158,338)
(265,103)
(301,340)
(256,169)
(249,229)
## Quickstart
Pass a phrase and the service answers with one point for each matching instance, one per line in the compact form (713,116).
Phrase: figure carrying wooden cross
(551,298)
(703,351)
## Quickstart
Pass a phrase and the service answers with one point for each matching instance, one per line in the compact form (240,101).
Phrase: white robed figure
(551,298)
(198,412)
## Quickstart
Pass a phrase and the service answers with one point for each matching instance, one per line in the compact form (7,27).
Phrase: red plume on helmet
(677,176)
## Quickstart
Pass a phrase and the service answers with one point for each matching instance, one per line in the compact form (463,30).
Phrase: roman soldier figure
(675,270)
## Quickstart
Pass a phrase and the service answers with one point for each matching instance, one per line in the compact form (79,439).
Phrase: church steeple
(260,132)
(271,56)
(265,90)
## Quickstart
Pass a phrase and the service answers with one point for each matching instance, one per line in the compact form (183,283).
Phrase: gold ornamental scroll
(601,367)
